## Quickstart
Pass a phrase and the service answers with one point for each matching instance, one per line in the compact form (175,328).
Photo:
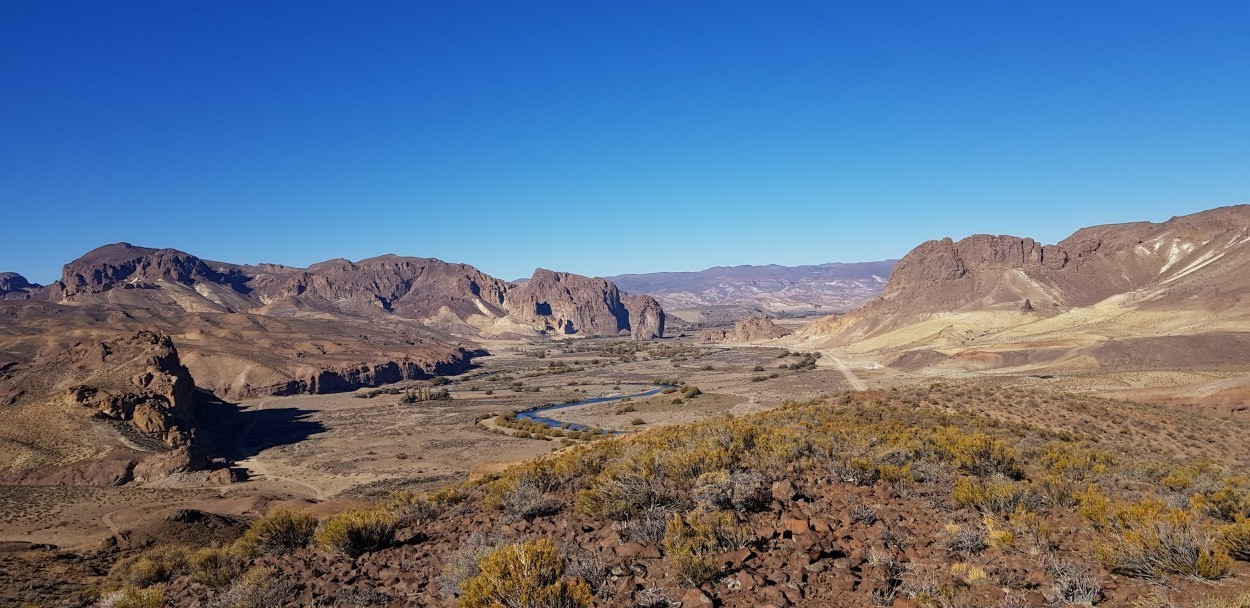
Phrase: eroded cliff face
(947,260)
(646,317)
(123,265)
(101,412)
(255,330)
(568,304)
(142,382)
(455,298)
(1091,265)
(407,287)
(337,379)
(751,329)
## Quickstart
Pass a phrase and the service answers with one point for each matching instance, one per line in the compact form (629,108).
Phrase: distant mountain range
(830,287)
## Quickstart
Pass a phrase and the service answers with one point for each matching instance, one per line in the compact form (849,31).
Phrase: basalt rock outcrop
(1091,265)
(154,398)
(14,286)
(568,304)
(123,265)
(746,330)
(351,377)
(646,317)
(451,298)
(406,287)
(101,412)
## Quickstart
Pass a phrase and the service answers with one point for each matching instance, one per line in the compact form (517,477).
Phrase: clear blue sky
(604,138)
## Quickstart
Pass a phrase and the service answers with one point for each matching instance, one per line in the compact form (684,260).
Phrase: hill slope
(1164,294)
(76,397)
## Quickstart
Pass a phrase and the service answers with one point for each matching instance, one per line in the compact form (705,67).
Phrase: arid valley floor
(323,454)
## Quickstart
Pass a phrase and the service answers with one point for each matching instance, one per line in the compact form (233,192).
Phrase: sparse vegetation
(524,574)
(216,566)
(135,597)
(356,532)
(152,566)
(278,532)
(424,393)
(260,587)
(686,498)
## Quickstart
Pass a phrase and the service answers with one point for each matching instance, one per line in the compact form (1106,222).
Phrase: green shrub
(528,574)
(693,543)
(134,597)
(259,587)
(215,566)
(1150,539)
(156,565)
(278,532)
(1236,538)
(356,532)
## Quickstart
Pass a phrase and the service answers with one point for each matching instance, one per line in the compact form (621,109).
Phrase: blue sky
(604,138)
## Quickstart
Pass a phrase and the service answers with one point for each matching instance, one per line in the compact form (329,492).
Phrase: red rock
(797,525)
(693,598)
(784,491)
(738,557)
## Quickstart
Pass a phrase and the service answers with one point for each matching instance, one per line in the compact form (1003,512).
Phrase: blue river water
(532,414)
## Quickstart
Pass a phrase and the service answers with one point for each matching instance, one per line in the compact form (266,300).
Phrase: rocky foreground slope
(932,496)
(1137,294)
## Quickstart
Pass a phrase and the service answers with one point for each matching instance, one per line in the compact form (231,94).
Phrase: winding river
(533,414)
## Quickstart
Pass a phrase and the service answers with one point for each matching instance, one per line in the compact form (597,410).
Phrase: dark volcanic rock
(349,378)
(570,304)
(147,385)
(646,317)
(13,285)
(123,264)
(408,287)
(133,383)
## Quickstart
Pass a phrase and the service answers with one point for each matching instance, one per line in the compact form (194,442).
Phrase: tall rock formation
(646,317)
(133,382)
(568,304)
